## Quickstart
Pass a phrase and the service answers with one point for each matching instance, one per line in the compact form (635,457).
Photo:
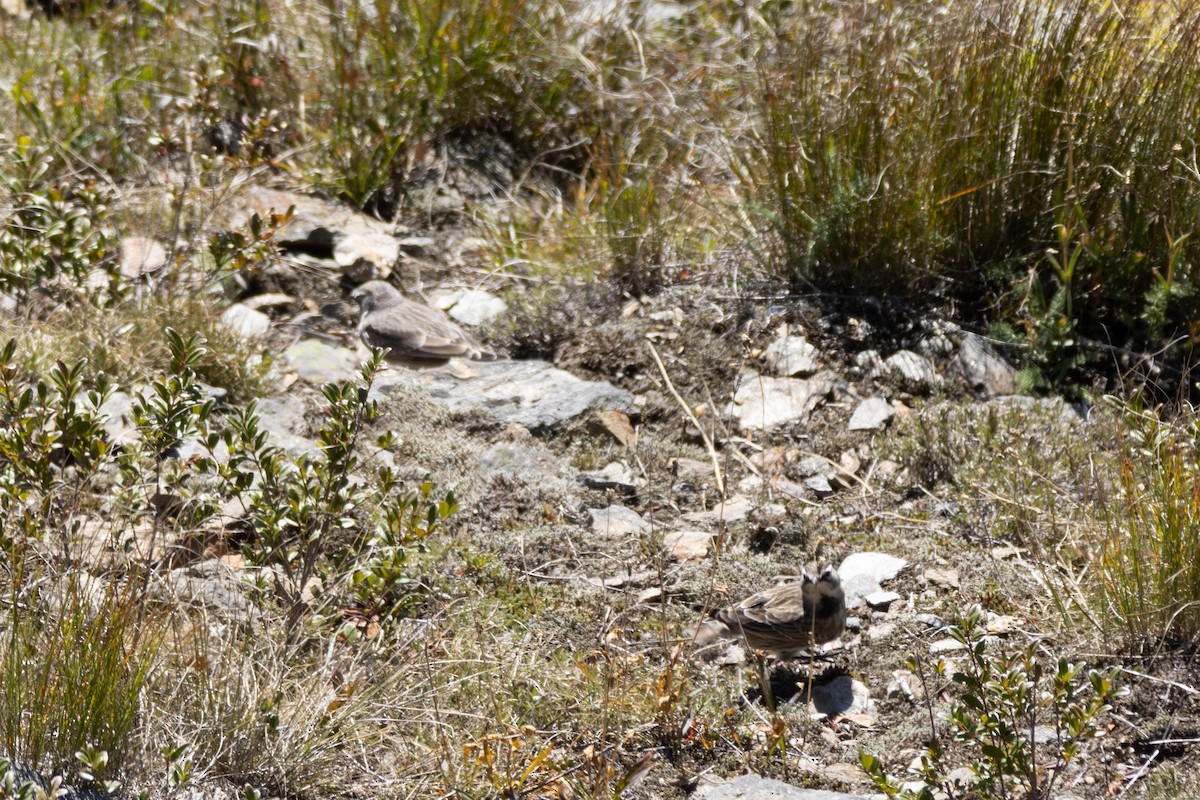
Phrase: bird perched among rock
(784,620)
(414,333)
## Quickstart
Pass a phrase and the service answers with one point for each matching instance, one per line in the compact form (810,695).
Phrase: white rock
(914,368)
(617,521)
(791,355)
(881,599)
(474,306)
(946,646)
(246,322)
(880,566)
(139,255)
(763,402)
(871,414)
(379,249)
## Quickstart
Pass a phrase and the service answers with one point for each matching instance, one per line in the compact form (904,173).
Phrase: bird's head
(373,294)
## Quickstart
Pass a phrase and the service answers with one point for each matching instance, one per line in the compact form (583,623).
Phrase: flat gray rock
(754,787)
(518,458)
(282,417)
(763,402)
(728,511)
(211,585)
(615,475)
(871,414)
(617,521)
(819,484)
(534,394)
(319,362)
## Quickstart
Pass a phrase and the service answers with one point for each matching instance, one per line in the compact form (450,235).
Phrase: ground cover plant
(380,596)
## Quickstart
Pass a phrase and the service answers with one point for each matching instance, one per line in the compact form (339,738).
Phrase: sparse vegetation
(412,609)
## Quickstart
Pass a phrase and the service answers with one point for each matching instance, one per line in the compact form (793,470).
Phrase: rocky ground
(638,460)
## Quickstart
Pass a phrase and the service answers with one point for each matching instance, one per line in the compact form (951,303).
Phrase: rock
(985,371)
(617,521)
(847,469)
(945,578)
(871,414)
(880,566)
(687,545)
(932,620)
(789,356)
(532,393)
(1001,624)
(282,418)
(946,646)
(319,362)
(819,484)
(815,465)
(139,255)
(317,225)
(763,402)
(210,585)
(878,633)
(857,587)
(862,574)
(471,306)
(418,246)
(114,417)
(869,362)
(615,475)
(1002,553)
(268,300)
(378,248)
(753,787)
(725,512)
(519,459)
(842,695)
(881,599)
(690,469)
(246,322)
(915,370)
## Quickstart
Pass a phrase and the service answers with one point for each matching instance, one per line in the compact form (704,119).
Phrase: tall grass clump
(1035,160)
(1148,575)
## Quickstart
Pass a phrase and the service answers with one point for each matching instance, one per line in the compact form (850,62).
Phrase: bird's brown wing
(412,330)
(781,609)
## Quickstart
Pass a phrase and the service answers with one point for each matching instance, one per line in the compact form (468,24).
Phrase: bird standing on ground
(414,333)
(784,620)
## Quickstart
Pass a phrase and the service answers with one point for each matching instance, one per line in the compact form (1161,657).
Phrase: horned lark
(784,620)
(414,333)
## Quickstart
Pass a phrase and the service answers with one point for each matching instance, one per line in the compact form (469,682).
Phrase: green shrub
(1004,698)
